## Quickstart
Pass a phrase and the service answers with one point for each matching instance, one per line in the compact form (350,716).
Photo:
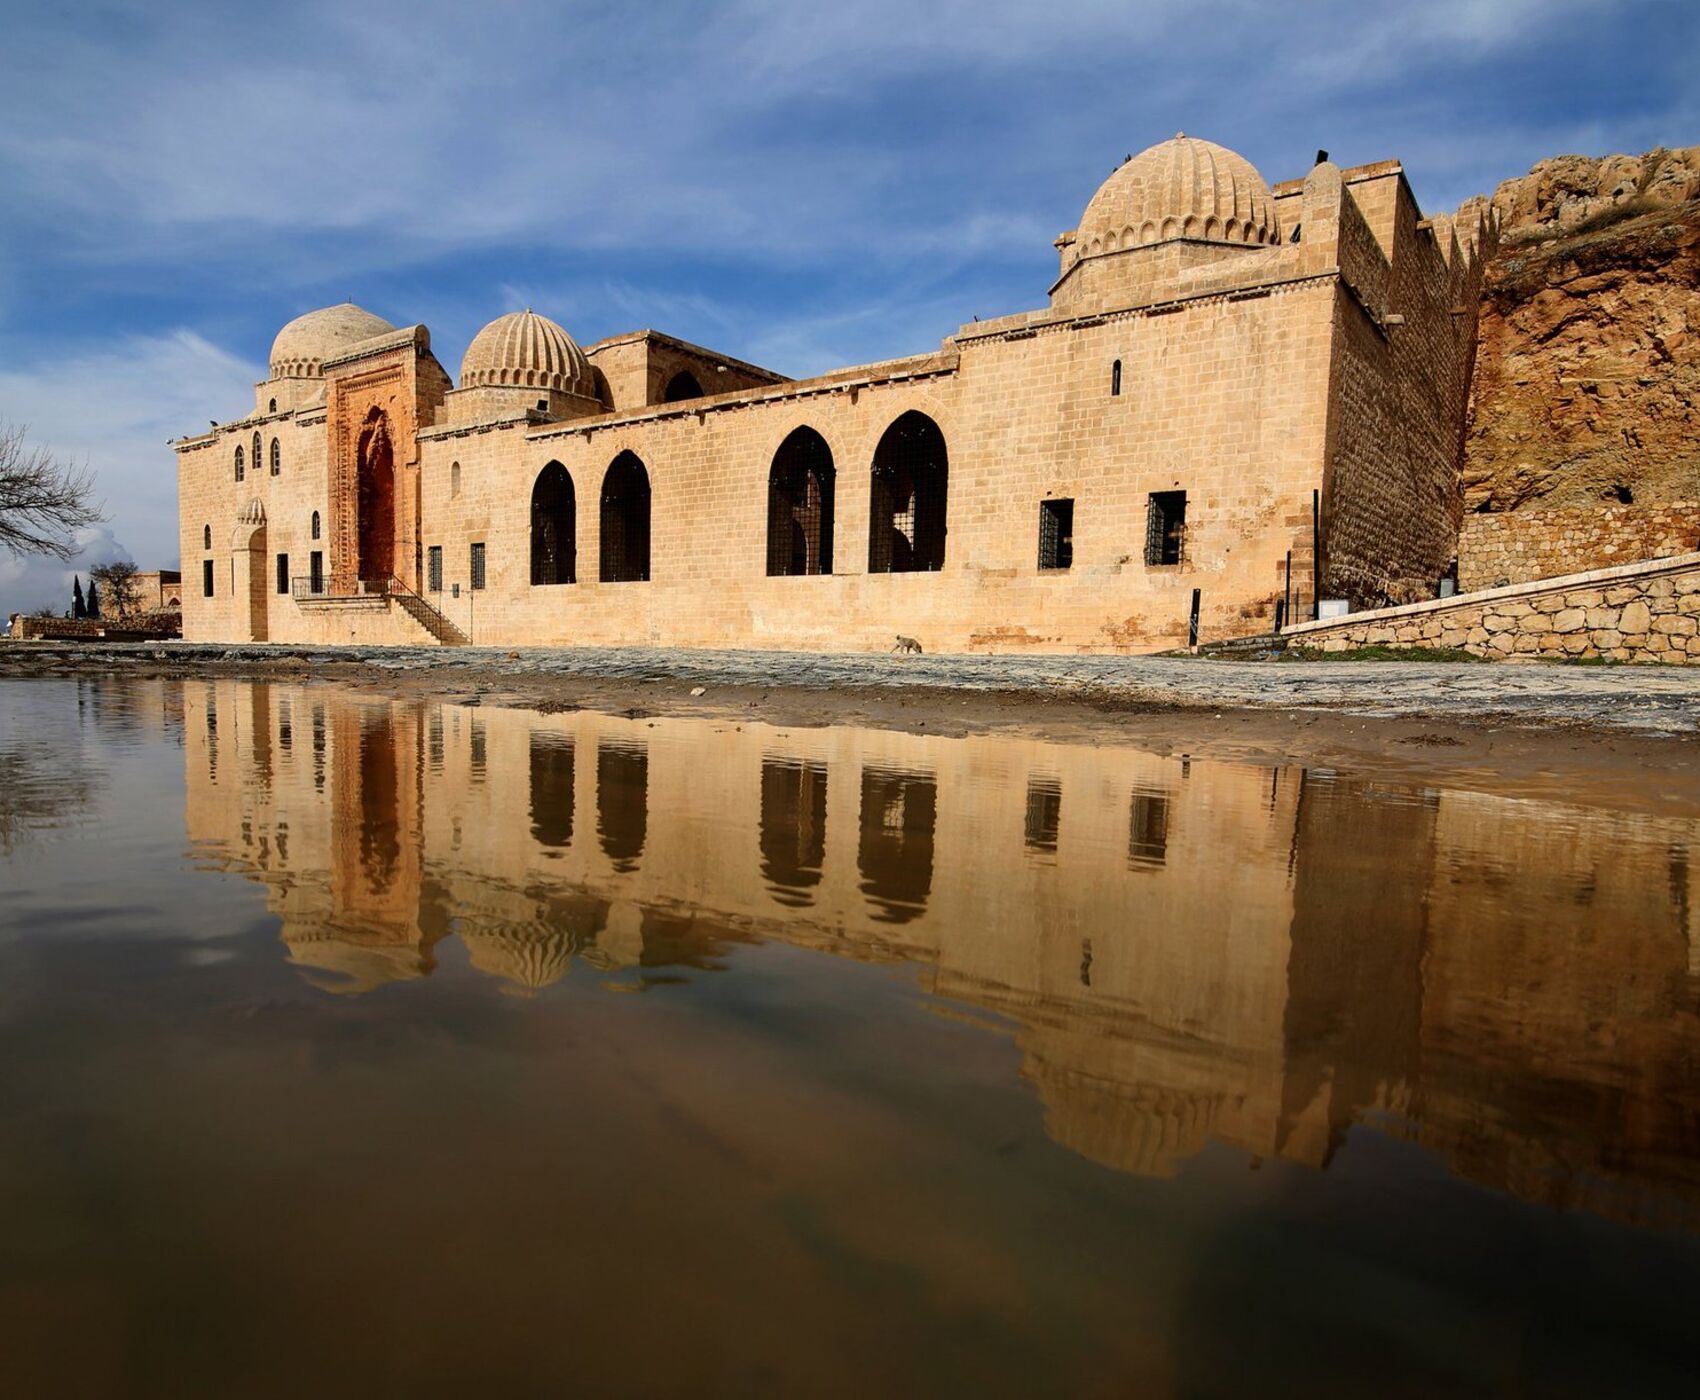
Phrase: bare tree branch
(118,587)
(43,501)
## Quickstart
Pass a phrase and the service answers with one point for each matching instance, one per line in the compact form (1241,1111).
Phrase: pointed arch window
(625,521)
(277,458)
(554,521)
(911,480)
(206,537)
(241,465)
(799,506)
(315,524)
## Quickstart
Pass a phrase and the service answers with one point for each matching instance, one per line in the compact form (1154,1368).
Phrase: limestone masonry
(1238,397)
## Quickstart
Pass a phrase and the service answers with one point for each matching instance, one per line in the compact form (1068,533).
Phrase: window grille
(553,526)
(241,470)
(277,458)
(434,569)
(800,506)
(478,566)
(625,521)
(1056,534)
(908,510)
(1165,528)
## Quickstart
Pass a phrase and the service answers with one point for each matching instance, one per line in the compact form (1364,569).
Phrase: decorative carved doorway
(375,468)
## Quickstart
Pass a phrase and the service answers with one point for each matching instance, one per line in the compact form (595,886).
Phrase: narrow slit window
(241,469)
(277,458)
(1056,534)
(316,572)
(315,524)
(1165,528)
(1116,379)
(478,566)
(283,573)
(206,578)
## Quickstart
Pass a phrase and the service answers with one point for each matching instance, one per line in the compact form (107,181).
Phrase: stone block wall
(1520,546)
(1640,612)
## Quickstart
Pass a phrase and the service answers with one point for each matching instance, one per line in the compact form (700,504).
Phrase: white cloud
(115,409)
(31,582)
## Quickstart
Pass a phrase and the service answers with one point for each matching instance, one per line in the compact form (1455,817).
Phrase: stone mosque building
(1240,399)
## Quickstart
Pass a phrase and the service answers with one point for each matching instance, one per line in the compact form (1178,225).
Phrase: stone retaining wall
(1648,611)
(1522,546)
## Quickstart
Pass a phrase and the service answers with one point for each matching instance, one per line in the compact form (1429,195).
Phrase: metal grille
(625,521)
(799,506)
(477,569)
(910,493)
(1165,528)
(793,828)
(434,569)
(1056,534)
(622,802)
(1044,813)
(895,856)
(554,549)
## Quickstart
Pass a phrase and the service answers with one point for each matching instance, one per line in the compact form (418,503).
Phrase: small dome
(1184,188)
(523,350)
(303,346)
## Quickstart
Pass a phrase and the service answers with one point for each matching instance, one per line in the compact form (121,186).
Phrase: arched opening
(682,385)
(799,506)
(206,537)
(552,790)
(375,467)
(259,452)
(622,802)
(910,485)
(315,524)
(895,855)
(554,547)
(277,458)
(625,521)
(241,469)
(454,479)
(793,827)
(1116,378)
(271,407)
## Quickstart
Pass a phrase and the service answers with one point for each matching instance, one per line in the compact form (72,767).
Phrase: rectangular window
(478,566)
(283,573)
(206,578)
(316,572)
(1165,528)
(434,569)
(1056,534)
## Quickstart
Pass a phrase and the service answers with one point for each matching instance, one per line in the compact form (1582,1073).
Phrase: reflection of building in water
(1188,950)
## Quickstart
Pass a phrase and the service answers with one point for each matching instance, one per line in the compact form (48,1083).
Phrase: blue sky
(803,185)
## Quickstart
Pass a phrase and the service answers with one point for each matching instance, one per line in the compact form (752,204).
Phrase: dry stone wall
(1640,612)
(1521,546)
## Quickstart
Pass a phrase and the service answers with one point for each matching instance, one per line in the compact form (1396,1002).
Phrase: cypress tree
(94,599)
(77,607)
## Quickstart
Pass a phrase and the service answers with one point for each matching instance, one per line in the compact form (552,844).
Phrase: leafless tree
(43,501)
(118,587)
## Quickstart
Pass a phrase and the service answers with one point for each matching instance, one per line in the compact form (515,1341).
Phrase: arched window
(272,406)
(206,537)
(315,524)
(625,521)
(911,478)
(241,470)
(454,479)
(552,789)
(277,458)
(1115,378)
(799,506)
(554,520)
(259,452)
(682,385)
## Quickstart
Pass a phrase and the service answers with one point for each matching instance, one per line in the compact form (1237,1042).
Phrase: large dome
(303,346)
(525,350)
(1184,188)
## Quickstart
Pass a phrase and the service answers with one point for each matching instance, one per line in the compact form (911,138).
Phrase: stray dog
(907,645)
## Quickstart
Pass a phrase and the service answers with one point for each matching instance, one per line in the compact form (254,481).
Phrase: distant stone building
(1237,394)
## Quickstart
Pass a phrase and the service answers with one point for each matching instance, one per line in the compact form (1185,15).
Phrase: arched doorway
(799,506)
(625,521)
(911,479)
(375,467)
(681,386)
(554,546)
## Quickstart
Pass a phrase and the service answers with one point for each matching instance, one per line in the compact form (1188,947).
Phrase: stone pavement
(1642,699)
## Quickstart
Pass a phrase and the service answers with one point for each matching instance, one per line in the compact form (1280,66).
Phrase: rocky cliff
(1587,383)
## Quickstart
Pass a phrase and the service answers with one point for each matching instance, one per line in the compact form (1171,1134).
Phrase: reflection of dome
(303,346)
(1184,188)
(525,350)
(527,958)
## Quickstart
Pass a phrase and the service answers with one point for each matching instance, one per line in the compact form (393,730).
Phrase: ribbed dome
(303,346)
(1184,188)
(525,350)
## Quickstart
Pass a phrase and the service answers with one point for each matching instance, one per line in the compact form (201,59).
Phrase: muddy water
(351,1046)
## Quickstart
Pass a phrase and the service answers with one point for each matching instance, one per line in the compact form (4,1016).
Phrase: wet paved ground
(1644,699)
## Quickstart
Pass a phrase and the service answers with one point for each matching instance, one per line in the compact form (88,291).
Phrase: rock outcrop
(1587,384)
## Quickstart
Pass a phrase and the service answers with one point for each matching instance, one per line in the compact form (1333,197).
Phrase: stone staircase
(446,633)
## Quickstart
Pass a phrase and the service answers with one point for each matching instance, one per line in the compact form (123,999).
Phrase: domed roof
(1184,188)
(525,350)
(302,347)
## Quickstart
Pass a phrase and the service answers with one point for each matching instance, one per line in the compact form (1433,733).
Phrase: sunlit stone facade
(1237,395)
